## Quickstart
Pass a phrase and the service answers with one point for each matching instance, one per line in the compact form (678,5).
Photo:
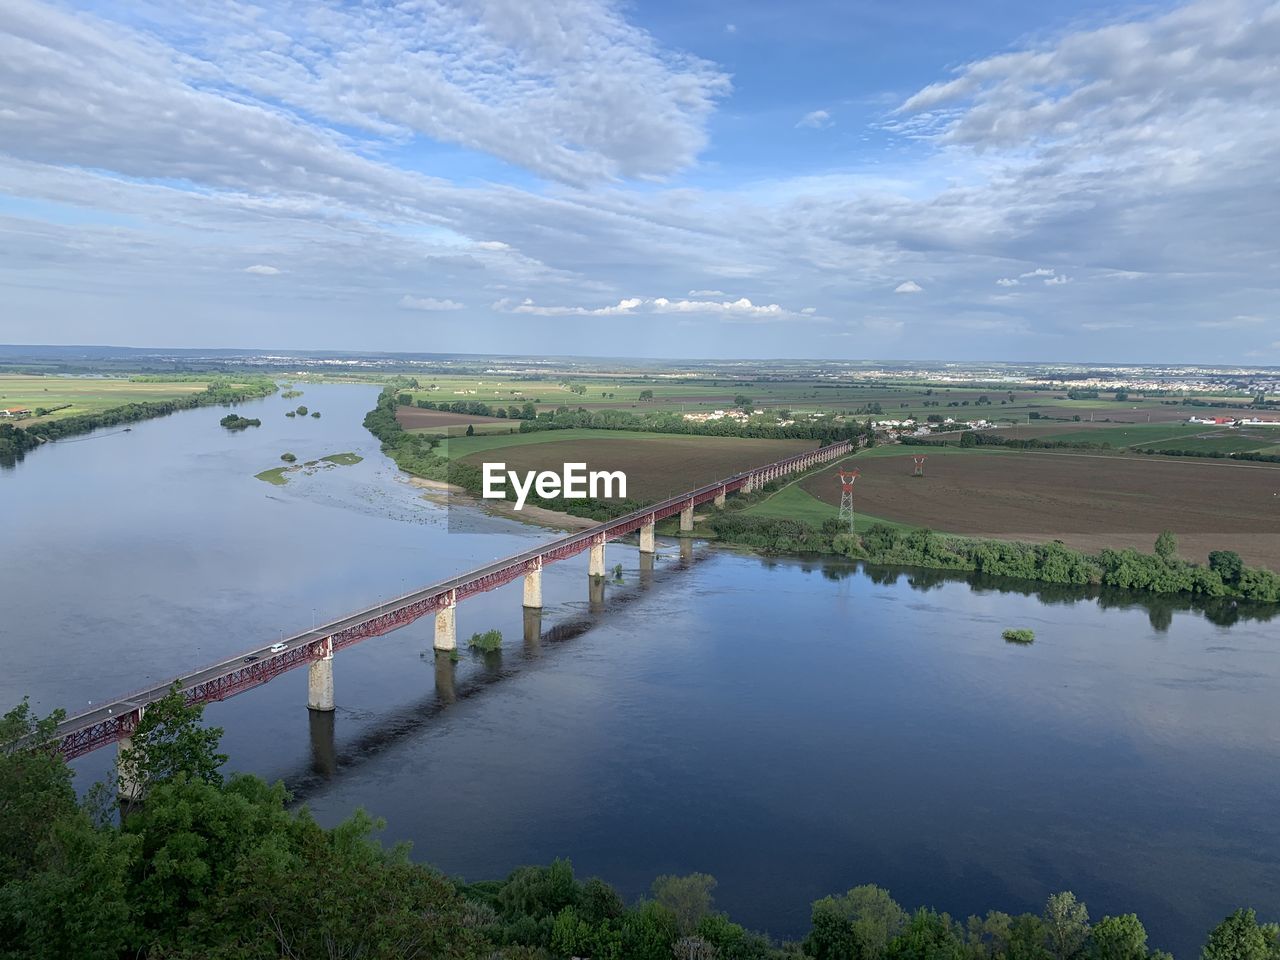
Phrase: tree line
(16,441)
(215,868)
(1162,571)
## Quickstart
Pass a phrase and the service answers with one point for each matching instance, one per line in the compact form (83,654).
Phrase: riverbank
(447,494)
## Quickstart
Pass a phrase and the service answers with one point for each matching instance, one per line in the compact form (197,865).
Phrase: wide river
(793,728)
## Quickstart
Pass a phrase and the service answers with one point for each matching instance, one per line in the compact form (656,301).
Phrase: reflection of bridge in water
(400,724)
(115,721)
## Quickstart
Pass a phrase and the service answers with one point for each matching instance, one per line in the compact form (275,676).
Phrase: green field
(793,502)
(84,394)
(1134,435)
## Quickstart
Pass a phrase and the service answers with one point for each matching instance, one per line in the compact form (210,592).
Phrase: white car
(277,647)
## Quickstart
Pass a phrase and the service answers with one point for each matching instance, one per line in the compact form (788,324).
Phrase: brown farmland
(415,418)
(1089,501)
(655,469)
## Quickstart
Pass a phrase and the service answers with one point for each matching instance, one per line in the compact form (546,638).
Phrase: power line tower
(846,495)
(919,459)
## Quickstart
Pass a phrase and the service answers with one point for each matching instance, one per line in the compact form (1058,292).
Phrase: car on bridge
(277,647)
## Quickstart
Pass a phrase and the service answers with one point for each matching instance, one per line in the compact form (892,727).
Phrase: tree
(1226,564)
(688,898)
(927,936)
(35,787)
(646,394)
(169,742)
(471,430)
(968,439)
(855,926)
(1240,937)
(742,401)
(1167,546)
(75,903)
(1067,921)
(1118,938)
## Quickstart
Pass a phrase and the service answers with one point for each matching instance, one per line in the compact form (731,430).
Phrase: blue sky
(993,180)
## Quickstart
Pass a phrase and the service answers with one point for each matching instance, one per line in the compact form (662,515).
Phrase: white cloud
(262,270)
(815,119)
(741,308)
(908,286)
(492,245)
(428,303)
(1007,282)
(707,293)
(1056,280)
(1241,321)
(1038,272)
(730,28)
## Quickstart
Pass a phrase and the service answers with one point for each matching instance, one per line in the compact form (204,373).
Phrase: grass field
(657,466)
(1088,501)
(84,394)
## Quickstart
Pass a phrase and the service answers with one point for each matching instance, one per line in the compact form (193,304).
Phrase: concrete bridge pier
(324,754)
(749,484)
(595,594)
(595,566)
(686,551)
(320,680)
(128,786)
(533,586)
(446,624)
(646,570)
(646,540)
(686,517)
(719,500)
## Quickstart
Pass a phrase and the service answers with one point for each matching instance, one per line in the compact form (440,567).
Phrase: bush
(1019,636)
(486,642)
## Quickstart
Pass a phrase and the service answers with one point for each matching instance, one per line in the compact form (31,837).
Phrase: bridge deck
(109,723)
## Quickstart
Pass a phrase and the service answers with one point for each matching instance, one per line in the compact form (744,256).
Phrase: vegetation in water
(234,422)
(290,394)
(486,642)
(288,457)
(301,411)
(343,459)
(290,414)
(1020,635)
(315,414)
(276,476)
(213,866)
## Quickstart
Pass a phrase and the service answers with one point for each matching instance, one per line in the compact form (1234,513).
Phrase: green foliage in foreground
(216,869)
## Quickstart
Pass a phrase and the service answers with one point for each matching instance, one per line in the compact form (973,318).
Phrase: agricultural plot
(1089,501)
(74,395)
(451,424)
(657,467)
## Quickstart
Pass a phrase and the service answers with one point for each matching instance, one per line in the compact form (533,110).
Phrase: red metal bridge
(116,720)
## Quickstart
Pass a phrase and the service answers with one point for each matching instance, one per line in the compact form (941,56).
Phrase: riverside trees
(219,867)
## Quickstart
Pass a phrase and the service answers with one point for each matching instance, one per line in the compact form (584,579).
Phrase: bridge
(115,721)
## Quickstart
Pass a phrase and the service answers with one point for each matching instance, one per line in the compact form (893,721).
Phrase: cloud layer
(282,167)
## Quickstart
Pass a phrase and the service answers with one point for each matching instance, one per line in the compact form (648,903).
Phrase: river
(792,728)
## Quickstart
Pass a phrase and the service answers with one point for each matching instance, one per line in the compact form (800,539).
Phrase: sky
(846,179)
